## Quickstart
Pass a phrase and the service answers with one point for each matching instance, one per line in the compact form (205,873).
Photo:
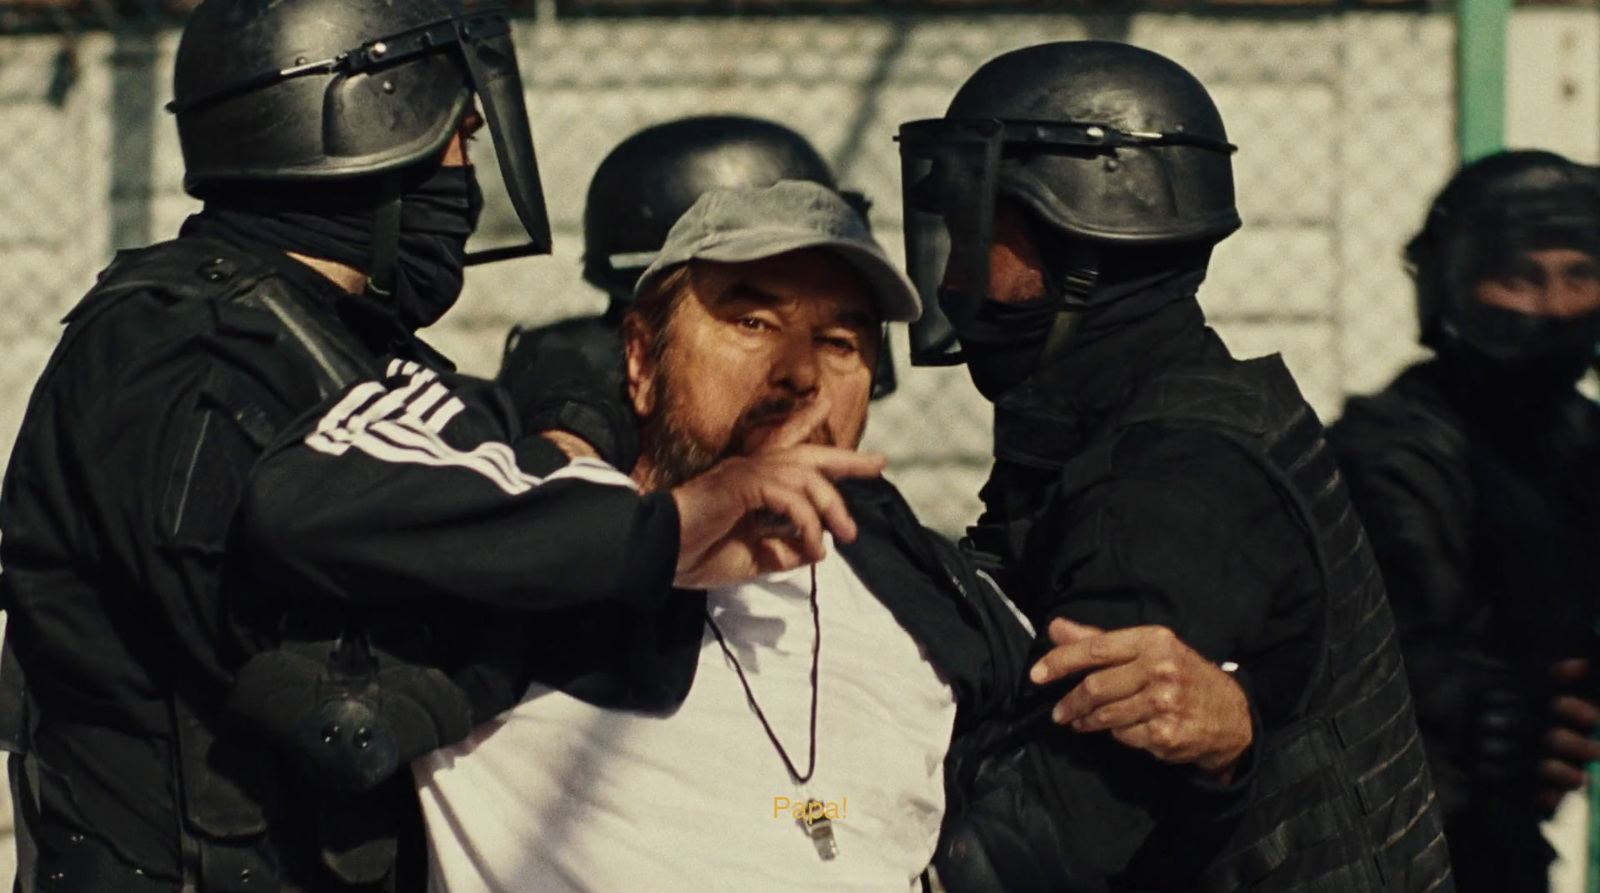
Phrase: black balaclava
(439,209)
(1492,214)
(1004,343)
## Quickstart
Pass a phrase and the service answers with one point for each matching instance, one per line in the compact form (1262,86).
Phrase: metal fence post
(1481,27)
(133,116)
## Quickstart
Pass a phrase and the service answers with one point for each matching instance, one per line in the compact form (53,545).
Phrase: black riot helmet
(1106,145)
(1486,219)
(651,178)
(307,91)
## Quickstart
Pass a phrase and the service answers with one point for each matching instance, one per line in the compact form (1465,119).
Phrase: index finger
(1573,670)
(799,427)
(1577,711)
(835,463)
(1103,650)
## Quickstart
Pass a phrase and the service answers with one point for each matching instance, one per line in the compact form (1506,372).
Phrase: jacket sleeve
(1033,806)
(145,466)
(1185,532)
(1189,534)
(420,487)
(1414,499)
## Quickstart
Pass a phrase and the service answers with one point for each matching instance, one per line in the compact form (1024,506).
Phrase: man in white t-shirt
(797,729)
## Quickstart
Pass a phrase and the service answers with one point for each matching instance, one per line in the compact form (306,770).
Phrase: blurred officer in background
(1156,507)
(1477,473)
(171,743)
(647,182)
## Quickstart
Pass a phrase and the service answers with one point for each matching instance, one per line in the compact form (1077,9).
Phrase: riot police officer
(1168,516)
(1477,472)
(640,189)
(192,719)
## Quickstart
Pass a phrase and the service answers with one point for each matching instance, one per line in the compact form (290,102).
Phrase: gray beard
(676,456)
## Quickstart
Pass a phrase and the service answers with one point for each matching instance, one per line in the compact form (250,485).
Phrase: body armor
(1342,799)
(340,712)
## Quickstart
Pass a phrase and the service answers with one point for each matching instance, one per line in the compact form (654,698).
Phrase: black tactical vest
(231,788)
(1343,801)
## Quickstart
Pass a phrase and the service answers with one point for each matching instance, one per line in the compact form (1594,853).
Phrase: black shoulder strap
(339,360)
(208,269)
(1241,396)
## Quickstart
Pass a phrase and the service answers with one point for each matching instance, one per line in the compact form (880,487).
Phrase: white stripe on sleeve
(403,426)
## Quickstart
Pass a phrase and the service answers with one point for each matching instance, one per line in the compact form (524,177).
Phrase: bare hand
(1569,749)
(1152,692)
(574,446)
(763,513)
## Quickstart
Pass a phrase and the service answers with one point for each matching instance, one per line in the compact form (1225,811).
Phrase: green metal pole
(1481,76)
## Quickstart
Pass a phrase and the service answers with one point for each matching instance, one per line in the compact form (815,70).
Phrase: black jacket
(1146,477)
(174,375)
(1185,533)
(1483,503)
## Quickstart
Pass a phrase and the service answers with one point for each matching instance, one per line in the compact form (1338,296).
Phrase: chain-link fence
(1344,118)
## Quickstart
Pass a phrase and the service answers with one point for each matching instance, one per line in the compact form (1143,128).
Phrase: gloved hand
(561,387)
(346,732)
(1504,726)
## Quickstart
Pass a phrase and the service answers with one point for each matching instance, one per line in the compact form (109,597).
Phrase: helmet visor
(948,173)
(950,170)
(485,40)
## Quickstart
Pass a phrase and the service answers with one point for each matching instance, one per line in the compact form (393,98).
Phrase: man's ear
(636,344)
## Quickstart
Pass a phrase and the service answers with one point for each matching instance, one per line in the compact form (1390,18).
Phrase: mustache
(774,411)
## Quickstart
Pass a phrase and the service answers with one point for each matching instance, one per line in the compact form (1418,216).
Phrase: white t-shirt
(559,795)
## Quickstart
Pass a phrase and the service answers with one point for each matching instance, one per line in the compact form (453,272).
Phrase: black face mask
(1497,387)
(1002,342)
(1510,336)
(335,222)
(436,218)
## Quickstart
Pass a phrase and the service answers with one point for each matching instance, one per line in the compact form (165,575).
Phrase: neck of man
(644,474)
(647,474)
(346,277)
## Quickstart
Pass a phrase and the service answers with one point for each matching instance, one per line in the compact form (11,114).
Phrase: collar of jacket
(1047,419)
(1552,438)
(374,323)
(966,629)
(936,595)
(1054,414)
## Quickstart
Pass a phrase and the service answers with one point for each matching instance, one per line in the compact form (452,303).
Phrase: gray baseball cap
(741,225)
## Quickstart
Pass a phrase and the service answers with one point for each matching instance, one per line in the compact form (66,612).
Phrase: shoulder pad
(1378,425)
(1251,397)
(192,268)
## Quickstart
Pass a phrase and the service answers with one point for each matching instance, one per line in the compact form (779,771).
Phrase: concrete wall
(1553,81)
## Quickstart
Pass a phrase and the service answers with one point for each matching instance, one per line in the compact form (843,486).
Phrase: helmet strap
(1078,272)
(386,237)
